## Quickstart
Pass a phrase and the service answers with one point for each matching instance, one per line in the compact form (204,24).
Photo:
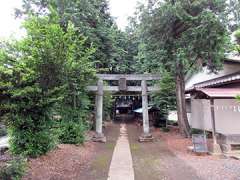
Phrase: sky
(9,25)
(120,10)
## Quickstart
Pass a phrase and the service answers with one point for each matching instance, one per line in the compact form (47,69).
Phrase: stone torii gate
(122,87)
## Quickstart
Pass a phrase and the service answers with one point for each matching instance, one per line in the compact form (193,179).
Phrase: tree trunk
(181,104)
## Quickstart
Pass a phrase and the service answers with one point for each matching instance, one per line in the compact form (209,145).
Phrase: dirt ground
(70,162)
(166,158)
(206,167)
(154,161)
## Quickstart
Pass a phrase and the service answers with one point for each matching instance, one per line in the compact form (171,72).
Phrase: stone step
(234,155)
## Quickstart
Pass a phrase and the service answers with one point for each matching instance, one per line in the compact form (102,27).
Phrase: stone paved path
(98,167)
(121,167)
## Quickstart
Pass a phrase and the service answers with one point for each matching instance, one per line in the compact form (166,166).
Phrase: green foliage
(196,131)
(72,128)
(199,41)
(165,129)
(37,138)
(107,106)
(26,104)
(165,99)
(237,45)
(179,37)
(42,73)
(92,19)
(14,170)
(124,51)
(72,132)
(238,98)
(237,34)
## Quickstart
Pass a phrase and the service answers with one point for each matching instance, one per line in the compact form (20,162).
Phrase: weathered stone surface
(122,78)
(121,167)
(215,149)
(129,77)
(99,107)
(225,148)
(226,142)
(129,88)
(99,138)
(122,84)
(145,108)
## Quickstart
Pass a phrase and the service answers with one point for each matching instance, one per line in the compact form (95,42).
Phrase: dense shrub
(161,119)
(237,35)
(196,131)
(72,132)
(46,70)
(238,98)
(13,170)
(31,84)
(107,106)
(35,139)
(73,127)
(165,99)
(237,45)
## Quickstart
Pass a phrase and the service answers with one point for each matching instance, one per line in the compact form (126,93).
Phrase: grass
(134,147)
(110,146)
(101,162)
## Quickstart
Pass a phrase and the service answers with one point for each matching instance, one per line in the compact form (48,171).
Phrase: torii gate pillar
(122,78)
(99,136)
(146,136)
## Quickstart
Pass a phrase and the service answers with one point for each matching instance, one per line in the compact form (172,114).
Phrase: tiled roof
(233,58)
(217,81)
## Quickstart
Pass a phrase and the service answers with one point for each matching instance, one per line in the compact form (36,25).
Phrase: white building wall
(227,115)
(201,114)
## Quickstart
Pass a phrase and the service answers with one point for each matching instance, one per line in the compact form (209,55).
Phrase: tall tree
(93,20)
(182,36)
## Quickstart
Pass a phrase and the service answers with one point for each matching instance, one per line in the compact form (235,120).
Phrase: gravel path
(213,169)
(167,158)
(207,167)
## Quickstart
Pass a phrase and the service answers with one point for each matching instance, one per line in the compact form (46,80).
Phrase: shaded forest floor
(166,158)
(69,162)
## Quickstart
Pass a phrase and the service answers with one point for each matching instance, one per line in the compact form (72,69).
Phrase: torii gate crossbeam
(123,78)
